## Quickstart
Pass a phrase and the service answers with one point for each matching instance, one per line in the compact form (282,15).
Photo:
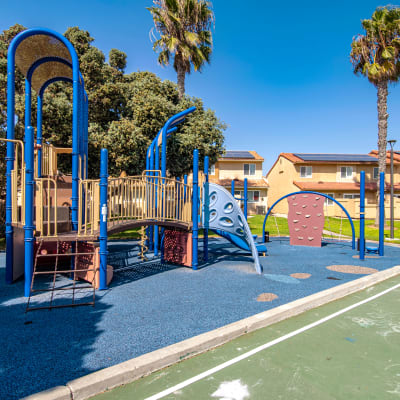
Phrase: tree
(184,27)
(126,111)
(375,55)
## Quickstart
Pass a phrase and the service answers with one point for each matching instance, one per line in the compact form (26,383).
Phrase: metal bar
(29,227)
(67,288)
(195,206)
(362,215)
(65,254)
(381,213)
(103,218)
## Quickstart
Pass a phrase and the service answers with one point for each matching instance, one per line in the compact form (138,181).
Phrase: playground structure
(65,220)
(54,217)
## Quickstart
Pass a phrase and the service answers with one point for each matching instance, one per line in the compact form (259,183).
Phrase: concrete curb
(128,371)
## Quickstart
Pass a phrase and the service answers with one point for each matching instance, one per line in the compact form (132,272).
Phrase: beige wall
(284,172)
(280,180)
(331,173)
(235,170)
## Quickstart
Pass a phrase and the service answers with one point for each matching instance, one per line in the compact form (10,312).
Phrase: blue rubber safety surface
(152,305)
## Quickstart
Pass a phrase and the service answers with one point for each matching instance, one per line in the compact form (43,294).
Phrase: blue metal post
(362,215)
(157,167)
(205,209)
(245,198)
(29,240)
(39,135)
(233,188)
(381,213)
(185,181)
(75,146)
(195,209)
(10,162)
(28,103)
(103,217)
(151,229)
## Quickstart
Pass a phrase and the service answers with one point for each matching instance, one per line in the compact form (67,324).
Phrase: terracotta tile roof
(291,157)
(396,156)
(239,183)
(335,186)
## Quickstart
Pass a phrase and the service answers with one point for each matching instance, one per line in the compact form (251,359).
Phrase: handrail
(45,199)
(88,207)
(49,159)
(15,183)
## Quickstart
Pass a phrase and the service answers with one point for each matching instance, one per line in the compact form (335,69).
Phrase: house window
(376,173)
(346,172)
(305,172)
(249,169)
(351,196)
(253,196)
(212,170)
(329,202)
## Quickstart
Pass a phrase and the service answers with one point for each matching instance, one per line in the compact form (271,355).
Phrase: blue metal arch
(353,242)
(11,135)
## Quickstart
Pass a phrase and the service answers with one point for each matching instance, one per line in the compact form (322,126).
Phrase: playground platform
(150,306)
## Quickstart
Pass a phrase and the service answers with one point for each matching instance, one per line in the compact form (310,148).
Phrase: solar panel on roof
(336,157)
(237,154)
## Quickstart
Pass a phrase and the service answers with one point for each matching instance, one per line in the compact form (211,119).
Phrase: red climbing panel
(178,247)
(306,219)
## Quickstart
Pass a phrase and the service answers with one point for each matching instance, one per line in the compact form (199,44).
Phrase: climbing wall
(306,219)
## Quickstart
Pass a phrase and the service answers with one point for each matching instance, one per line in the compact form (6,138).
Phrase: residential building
(337,175)
(236,166)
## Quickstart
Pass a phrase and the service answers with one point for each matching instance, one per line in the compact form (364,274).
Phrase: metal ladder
(62,252)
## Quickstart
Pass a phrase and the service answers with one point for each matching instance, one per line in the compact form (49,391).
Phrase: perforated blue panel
(223,213)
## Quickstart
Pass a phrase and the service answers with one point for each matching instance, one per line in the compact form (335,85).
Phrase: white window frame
(251,169)
(306,171)
(250,195)
(345,169)
(375,176)
(329,202)
(212,170)
(351,196)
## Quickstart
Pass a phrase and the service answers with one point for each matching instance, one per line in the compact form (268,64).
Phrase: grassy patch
(278,226)
(128,234)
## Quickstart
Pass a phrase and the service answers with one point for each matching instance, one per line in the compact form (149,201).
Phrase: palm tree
(375,55)
(184,27)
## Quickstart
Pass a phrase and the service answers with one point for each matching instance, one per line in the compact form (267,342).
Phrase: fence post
(195,206)
(103,217)
(245,198)
(29,240)
(381,213)
(362,215)
(205,209)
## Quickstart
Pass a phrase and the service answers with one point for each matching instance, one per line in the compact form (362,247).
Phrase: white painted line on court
(250,353)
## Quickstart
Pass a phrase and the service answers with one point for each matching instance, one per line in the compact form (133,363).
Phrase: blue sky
(280,75)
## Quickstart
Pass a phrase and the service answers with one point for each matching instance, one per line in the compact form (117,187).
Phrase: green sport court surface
(347,349)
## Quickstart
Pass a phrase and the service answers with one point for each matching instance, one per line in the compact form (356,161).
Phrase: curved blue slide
(239,242)
(222,214)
